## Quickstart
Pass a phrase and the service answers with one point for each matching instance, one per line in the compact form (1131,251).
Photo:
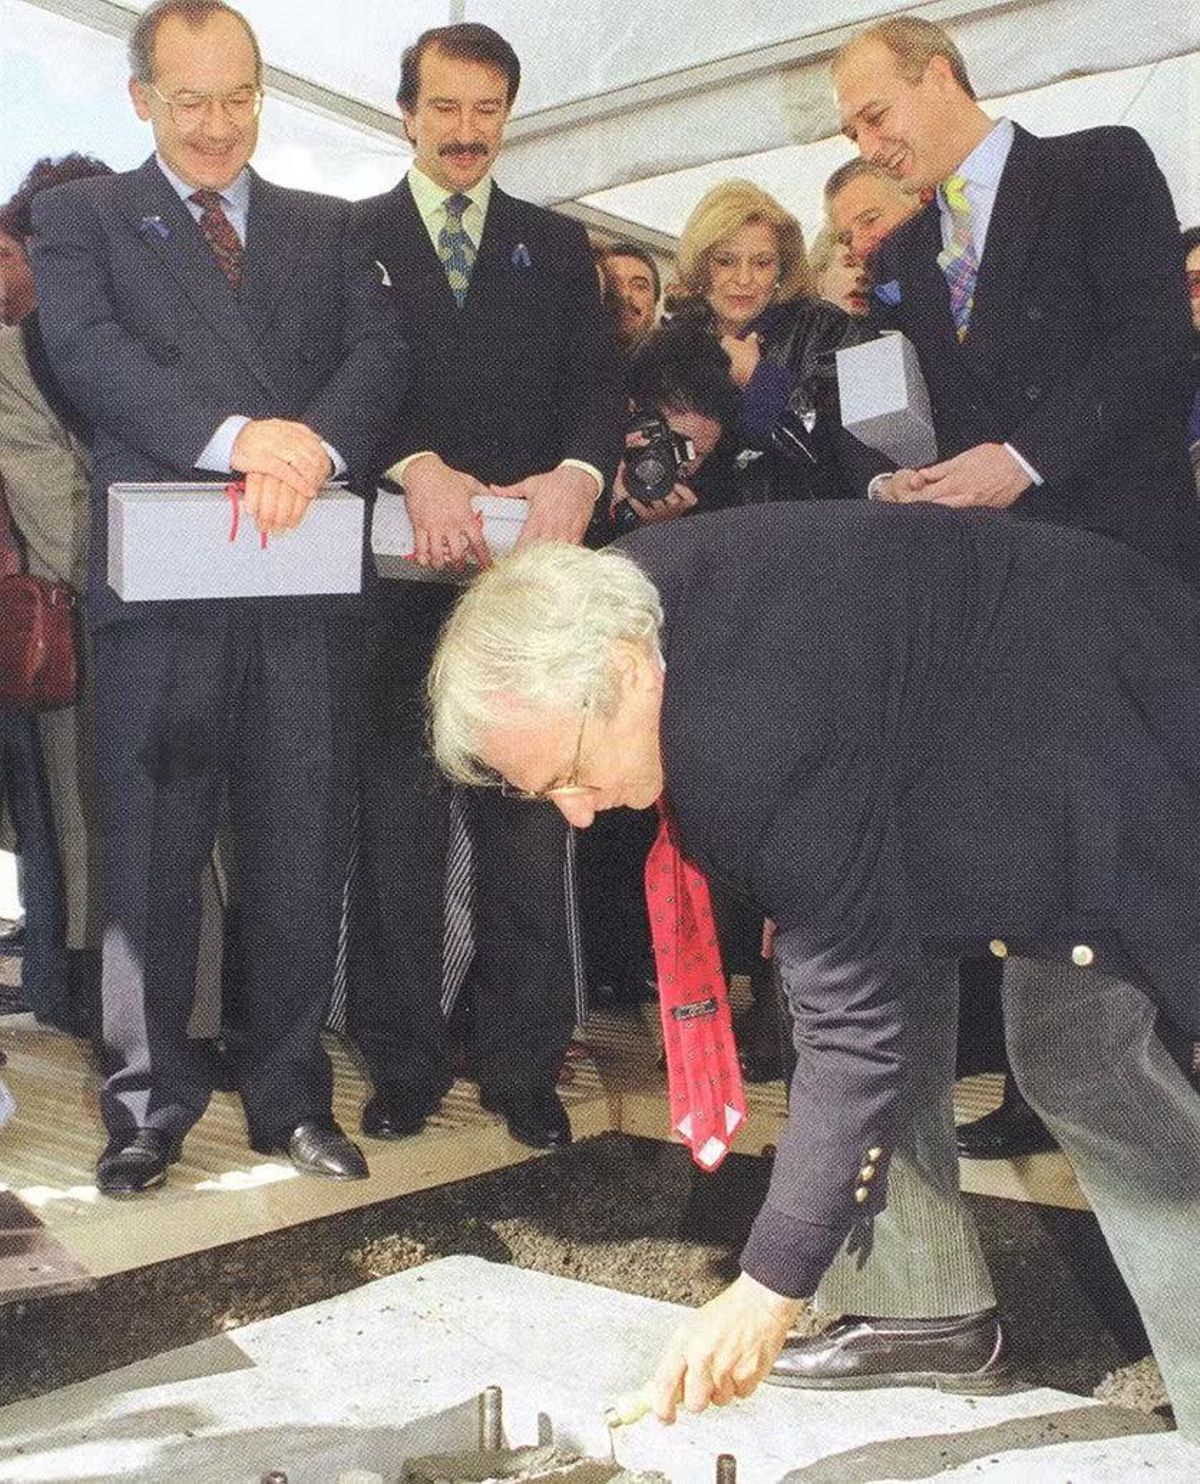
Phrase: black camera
(652,467)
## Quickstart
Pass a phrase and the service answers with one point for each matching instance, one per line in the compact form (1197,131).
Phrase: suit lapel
(924,288)
(170,232)
(407,256)
(1019,203)
(275,230)
(494,266)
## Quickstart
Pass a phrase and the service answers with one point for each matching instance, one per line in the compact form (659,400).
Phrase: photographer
(684,410)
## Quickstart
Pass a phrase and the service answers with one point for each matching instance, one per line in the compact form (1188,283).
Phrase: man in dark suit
(1055,374)
(205,320)
(1042,290)
(515,391)
(903,733)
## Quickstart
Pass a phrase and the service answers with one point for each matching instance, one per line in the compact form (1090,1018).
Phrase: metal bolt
(726,1468)
(491,1419)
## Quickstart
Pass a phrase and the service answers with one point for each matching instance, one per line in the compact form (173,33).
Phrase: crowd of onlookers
(697,384)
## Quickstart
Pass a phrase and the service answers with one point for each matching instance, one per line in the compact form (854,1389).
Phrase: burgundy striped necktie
(224,241)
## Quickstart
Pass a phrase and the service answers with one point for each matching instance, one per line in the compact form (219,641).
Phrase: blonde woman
(743,269)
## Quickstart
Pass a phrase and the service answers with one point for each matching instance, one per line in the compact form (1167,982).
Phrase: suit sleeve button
(867,1174)
(1083,956)
(998,948)
(874,1156)
(861,1194)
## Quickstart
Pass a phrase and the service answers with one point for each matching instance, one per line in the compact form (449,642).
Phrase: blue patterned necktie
(455,248)
(958,260)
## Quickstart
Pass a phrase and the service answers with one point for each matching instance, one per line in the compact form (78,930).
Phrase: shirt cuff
(1025,464)
(588,469)
(217,453)
(875,487)
(396,472)
(335,458)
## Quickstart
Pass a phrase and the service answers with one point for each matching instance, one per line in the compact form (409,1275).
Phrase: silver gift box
(173,541)
(884,400)
(392,536)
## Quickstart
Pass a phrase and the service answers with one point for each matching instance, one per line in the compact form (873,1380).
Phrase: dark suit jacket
(906,729)
(526,373)
(1078,340)
(153,345)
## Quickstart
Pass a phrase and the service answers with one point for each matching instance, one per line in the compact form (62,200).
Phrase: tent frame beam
(118,20)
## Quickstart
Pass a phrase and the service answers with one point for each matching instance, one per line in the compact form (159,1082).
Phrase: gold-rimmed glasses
(188,108)
(569,785)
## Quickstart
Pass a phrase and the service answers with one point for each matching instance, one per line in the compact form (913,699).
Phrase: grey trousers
(1085,1054)
(924,1260)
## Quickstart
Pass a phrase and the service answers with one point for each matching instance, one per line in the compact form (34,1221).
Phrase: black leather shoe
(322,1149)
(534,1118)
(389,1116)
(963,1354)
(135,1162)
(1013,1130)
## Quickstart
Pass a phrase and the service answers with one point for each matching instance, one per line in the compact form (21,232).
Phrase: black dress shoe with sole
(318,1148)
(537,1119)
(961,1354)
(388,1116)
(1010,1132)
(135,1162)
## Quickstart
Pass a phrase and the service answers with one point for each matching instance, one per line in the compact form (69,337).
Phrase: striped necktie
(455,248)
(958,260)
(225,243)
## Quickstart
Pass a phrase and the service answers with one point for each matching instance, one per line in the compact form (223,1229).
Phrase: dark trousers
(23,787)
(268,711)
(521,983)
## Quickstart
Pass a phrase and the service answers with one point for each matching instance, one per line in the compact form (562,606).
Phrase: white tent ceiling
(626,114)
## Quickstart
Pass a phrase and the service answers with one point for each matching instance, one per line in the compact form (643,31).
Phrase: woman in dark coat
(743,267)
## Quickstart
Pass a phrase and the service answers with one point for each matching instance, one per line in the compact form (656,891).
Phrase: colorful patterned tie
(455,248)
(704,1079)
(224,241)
(958,260)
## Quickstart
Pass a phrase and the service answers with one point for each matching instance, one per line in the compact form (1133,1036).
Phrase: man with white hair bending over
(903,732)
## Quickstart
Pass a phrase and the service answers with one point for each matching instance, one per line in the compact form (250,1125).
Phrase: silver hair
(536,631)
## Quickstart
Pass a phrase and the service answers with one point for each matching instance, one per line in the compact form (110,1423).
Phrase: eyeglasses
(570,784)
(185,108)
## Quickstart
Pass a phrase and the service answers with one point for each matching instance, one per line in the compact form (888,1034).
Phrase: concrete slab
(394,1369)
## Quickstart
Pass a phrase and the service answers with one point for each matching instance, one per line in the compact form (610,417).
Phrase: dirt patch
(625,1213)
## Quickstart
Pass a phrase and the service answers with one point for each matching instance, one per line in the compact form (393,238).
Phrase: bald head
(906,102)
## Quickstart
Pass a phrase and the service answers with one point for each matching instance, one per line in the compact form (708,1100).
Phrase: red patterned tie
(704,1080)
(224,241)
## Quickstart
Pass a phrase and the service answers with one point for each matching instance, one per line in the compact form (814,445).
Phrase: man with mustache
(516,390)
(632,289)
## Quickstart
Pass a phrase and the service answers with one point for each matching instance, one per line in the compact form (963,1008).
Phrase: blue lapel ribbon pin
(888,293)
(154,225)
(520,256)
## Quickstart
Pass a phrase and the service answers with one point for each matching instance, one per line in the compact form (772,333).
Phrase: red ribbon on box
(235,490)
